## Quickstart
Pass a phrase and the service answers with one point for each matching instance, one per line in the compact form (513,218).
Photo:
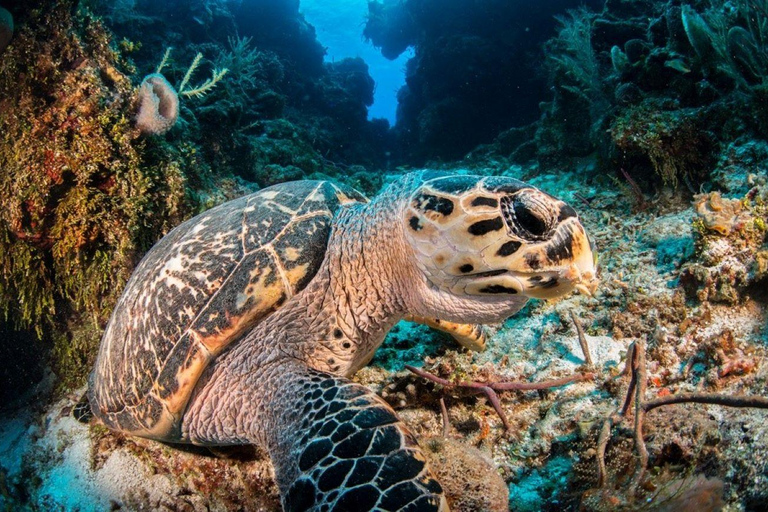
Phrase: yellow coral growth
(720,214)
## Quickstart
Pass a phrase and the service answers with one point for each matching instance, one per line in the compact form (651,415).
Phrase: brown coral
(730,238)
(81,195)
(674,142)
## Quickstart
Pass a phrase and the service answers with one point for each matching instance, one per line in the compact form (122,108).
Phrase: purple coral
(158,105)
(6,28)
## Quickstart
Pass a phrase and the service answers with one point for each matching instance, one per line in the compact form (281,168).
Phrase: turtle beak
(582,272)
(577,272)
(586,269)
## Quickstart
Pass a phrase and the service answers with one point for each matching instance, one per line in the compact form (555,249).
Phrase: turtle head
(487,244)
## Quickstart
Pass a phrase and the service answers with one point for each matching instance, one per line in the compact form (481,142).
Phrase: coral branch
(444,414)
(635,188)
(641,383)
(602,444)
(163,62)
(758,402)
(206,86)
(636,367)
(582,338)
(545,384)
(192,68)
(583,199)
(489,389)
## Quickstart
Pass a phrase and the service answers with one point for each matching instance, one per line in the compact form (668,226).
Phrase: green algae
(83,194)
(674,142)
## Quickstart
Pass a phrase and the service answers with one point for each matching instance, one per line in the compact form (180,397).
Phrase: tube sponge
(158,105)
(6,28)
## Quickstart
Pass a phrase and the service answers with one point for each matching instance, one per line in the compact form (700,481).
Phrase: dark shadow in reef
(476,69)
(23,357)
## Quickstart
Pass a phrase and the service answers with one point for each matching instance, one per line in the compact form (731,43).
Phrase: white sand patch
(49,464)
(59,454)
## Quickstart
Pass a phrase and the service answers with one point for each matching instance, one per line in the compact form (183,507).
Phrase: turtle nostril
(529,220)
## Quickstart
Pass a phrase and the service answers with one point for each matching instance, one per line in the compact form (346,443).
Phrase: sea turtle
(242,325)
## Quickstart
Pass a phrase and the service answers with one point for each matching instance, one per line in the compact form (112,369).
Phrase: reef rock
(474,72)
(720,214)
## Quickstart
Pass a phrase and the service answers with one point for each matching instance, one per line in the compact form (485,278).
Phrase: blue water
(339,29)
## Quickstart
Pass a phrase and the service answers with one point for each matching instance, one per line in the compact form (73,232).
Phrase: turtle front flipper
(82,411)
(469,336)
(335,445)
(341,447)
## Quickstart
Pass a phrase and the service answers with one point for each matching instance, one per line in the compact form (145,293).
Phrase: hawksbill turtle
(243,324)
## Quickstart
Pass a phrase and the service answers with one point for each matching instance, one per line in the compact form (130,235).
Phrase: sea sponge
(699,34)
(6,28)
(468,477)
(720,214)
(158,105)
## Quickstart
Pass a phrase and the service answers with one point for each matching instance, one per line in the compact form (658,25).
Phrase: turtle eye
(528,216)
(529,220)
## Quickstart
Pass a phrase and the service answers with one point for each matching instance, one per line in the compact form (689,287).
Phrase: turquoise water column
(339,25)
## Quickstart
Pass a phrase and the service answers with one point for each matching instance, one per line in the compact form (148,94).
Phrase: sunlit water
(339,27)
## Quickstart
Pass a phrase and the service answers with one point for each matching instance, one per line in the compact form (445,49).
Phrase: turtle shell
(199,289)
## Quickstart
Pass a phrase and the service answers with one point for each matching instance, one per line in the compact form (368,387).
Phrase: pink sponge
(6,28)
(158,105)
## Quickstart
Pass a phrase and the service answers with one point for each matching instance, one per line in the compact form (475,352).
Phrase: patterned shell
(202,286)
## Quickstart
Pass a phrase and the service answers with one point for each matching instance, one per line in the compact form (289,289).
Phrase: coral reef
(81,197)
(649,117)
(732,248)
(57,462)
(675,144)
(159,101)
(275,71)
(445,109)
(653,89)
(85,195)
(720,214)
(570,119)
